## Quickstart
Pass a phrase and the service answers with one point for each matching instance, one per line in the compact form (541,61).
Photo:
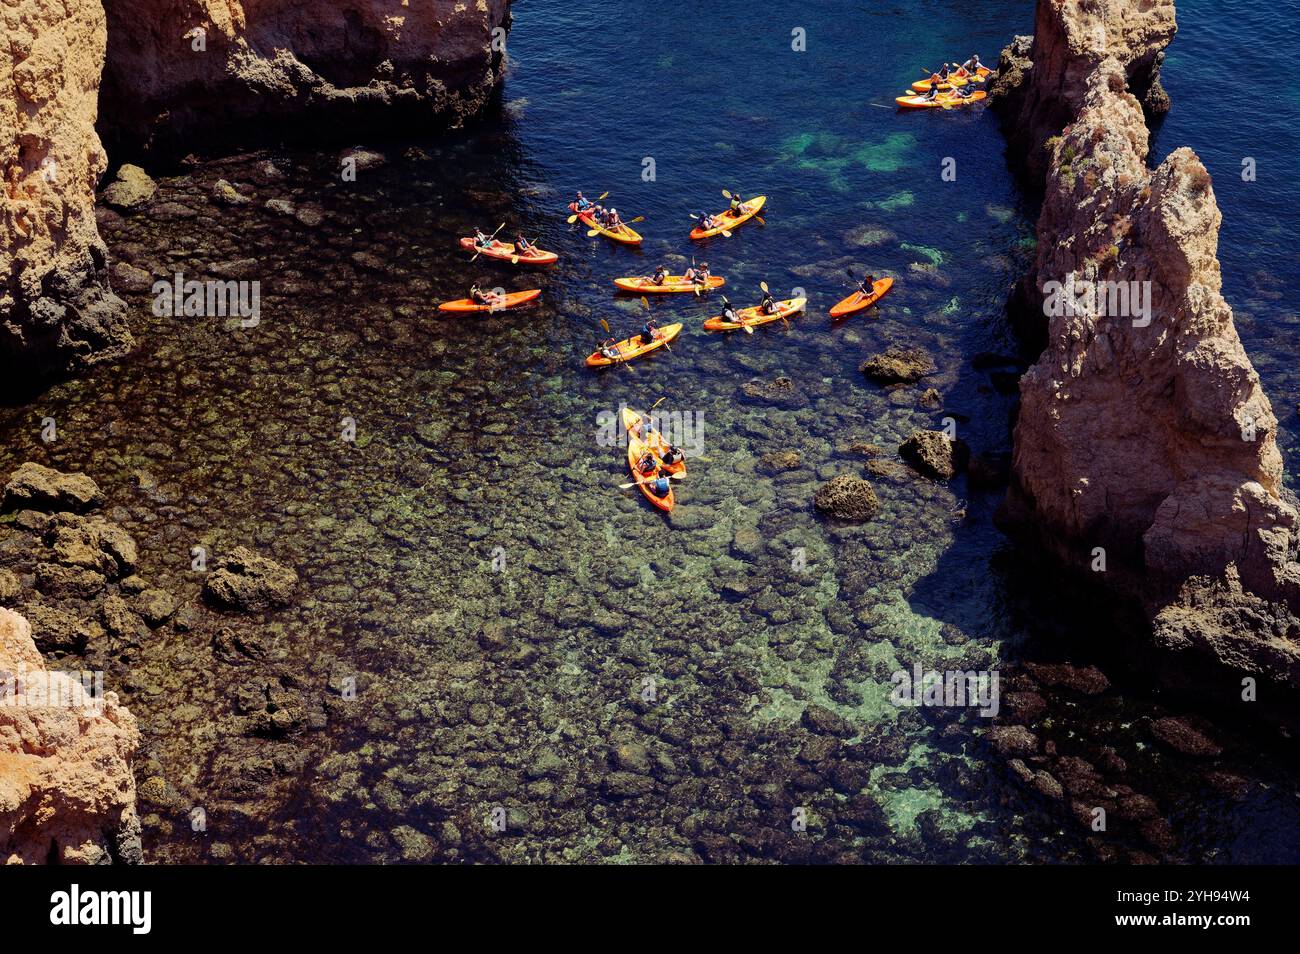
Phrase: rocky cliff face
(204,74)
(195,75)
(1143,430)
(67,794)
(1042,80)
(56,308)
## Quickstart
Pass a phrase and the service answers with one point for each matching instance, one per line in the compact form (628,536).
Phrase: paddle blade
(725,234)
(604,324)
(748,329)
(763,285)
(639,218)
(645,302)
(572,219)
(592,233)
(602,195)
(726,194)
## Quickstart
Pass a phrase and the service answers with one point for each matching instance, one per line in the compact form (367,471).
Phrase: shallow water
(522,634)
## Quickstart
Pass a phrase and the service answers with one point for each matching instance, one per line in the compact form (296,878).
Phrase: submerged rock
(935,454)
(897,365)
(36,487)
(131,190)
(847,498)
(252,583)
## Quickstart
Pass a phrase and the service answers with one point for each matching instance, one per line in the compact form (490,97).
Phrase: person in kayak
(672,455)
(867,287)
(582,203)
(609,349)
(768,305)
(944,72)
(700,274)
(707,221)
(479,296)
(965,92)
(481,240)
(660,276)
(649,332)
(973,65)
(646,463)
(737,204)
(661,486)
(523,246)
(729,312)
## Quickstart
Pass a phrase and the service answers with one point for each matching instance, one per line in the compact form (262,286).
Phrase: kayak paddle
(641,483)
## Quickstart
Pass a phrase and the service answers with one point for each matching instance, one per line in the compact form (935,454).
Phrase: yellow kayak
(754,316)
(728,221)
(633,347)
(624,233)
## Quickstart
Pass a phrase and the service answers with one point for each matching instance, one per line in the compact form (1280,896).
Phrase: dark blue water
(1252,117)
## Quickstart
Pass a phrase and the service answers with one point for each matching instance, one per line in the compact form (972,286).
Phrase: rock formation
(56,309)
(67,794)
(198,75)
(1143,429)
(1041,80)
(191,75)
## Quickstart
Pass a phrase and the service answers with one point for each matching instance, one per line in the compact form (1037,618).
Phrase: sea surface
(497,654)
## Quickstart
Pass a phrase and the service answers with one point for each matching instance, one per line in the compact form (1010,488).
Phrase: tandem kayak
(754,317)
(923,86)
(624,233)
(857,301)
(644,285)
(632,347)
(506,252)
(632,423)
(512,300)
(636,449)
(943,100)
(729,221)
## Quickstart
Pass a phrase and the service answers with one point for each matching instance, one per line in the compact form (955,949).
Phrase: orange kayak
(857,301)
(506,252)
(644,285)
(630,348)
(943,100)
(954,79)
(624,233)
(754,316)
(512,300)
(729,221)
(636,449)
(655,440)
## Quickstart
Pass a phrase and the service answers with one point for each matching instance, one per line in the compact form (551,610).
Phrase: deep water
(526,637)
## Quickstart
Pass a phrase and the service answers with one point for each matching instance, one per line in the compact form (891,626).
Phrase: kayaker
(932,92)
(615,220)
(609,349)
(935,80)
(661,486)
(965,92)
(973,65)
(672,455)
(523,246)
(737,204)
(729,312)
(768,304)
(707,221)
(479,296)
(943,72)
(702,274)
(868,285)
(582,203)
(646,463)
(660,276)
(482,240)
(649,332)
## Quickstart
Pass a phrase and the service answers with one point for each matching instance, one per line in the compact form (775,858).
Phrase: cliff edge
(1145,449)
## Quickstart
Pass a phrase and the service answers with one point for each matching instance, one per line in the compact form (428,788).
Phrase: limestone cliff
(1041,80)
(217,74)
(55,305)
(67,794)
(1143,429)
